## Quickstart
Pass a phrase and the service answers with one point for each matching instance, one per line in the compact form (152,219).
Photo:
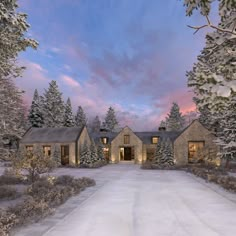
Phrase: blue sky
(129,54)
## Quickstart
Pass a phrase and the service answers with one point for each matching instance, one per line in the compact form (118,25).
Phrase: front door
(127,154)
(65,153)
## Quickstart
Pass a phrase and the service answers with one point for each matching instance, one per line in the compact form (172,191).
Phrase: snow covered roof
(146,137)
(52,135)
(97,135)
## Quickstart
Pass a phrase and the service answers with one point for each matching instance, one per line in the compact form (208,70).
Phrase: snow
(138,202)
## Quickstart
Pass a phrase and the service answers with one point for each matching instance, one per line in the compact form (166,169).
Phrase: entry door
(127,153)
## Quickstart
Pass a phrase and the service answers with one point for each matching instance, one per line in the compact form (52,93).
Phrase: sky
(129,54)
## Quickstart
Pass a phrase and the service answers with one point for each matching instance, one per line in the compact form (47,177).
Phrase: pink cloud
(70,81)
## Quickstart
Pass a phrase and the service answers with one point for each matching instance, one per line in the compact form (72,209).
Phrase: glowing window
(47,150)
(154,140)
(104,140)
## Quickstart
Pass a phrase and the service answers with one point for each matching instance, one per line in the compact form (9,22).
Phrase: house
(138,147)
(69,140)
(123,146)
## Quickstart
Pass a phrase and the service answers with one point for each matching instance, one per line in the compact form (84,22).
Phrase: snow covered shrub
(31,210)
(7,221)
(34,163)
(10,179)
(8,192)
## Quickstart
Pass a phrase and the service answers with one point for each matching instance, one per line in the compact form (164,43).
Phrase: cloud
(70,81)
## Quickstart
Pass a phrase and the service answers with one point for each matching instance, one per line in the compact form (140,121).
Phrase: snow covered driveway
(129,201)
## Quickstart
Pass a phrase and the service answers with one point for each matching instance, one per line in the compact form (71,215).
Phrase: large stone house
(68,140)
(138,147)
(123,146)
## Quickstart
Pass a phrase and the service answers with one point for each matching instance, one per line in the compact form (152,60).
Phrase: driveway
(128,201)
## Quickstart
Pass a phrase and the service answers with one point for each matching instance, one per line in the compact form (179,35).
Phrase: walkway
(128,201)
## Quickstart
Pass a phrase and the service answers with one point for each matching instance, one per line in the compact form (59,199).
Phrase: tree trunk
(227,163)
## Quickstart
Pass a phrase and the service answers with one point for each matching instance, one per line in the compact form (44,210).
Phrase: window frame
(104,138)
(49,151)
(126,139)
(155,137)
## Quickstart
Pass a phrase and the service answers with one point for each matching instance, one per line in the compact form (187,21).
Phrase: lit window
(106,152)
(104,140)
(154,140)
(47,150)
(126,139)
(29,148)
(194,149)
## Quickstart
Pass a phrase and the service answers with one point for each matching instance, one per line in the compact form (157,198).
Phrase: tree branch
(209,24)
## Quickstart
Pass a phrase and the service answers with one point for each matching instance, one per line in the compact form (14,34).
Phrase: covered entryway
(126,153)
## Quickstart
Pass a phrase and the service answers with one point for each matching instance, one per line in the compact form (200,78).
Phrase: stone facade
(195,132)
(119,142)
(45,137)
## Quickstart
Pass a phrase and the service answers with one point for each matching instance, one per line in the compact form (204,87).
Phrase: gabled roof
(194,121)
(97,135)
(52,135)
(146,137)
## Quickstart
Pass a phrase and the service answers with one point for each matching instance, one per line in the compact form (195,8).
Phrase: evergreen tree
(12,38)
(85,155)
(175,120)
(53,106)
(213,76)
(100,153)
(168,154)
(96,125)
(110,122)
(158,153)
(93,150)
(35,114)
(68,118)
(80,118)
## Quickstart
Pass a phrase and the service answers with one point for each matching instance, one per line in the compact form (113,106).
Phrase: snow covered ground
(129,201)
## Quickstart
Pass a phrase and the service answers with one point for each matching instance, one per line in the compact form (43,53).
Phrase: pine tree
(110,122)
(168,154)
(158,153)
(213,76)
(12,38)
(96,125)
(93,150)
(36,114)
(85,155)
(175,120)
(80,118)
(68,118)
(100,153)
(53,107)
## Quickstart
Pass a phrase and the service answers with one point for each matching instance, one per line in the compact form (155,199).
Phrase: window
(47,150)
(194,149)
(106,153)
(29,148)
(154,140)
(126,139)
(104,140)
(65,151)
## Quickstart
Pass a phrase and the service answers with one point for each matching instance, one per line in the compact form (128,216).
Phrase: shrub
(10,177)
(7,192)
(31,210)
(7,221)
(34,163)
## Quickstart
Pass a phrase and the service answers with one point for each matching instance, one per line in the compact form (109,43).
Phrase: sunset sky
(129,54)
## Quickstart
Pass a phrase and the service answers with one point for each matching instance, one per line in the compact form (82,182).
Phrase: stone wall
(71,149)
(118,142)
(195,132)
